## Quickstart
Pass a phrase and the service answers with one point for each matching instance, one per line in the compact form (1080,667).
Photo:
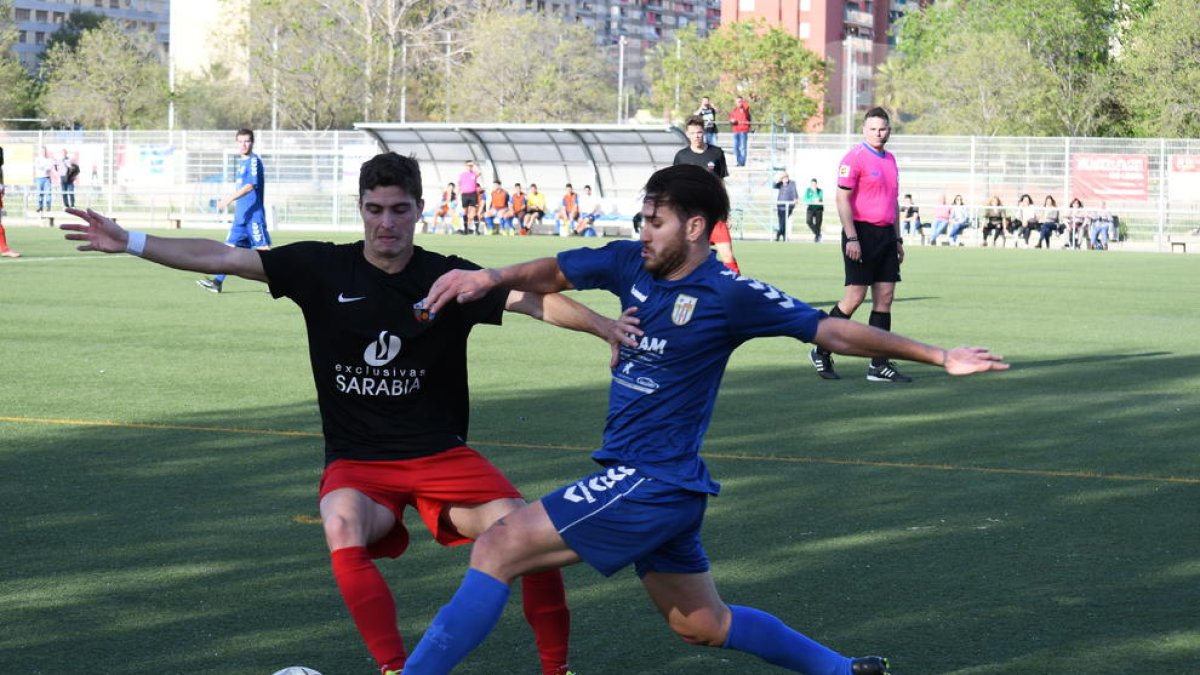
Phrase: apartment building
(854,36)
(37,20)
(644,24)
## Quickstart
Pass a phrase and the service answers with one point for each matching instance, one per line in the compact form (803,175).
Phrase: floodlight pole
(620,76)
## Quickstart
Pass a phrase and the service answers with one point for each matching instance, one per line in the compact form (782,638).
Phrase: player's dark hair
(245,132)
(878,113)
(389,169)
(694,121)
(690,190)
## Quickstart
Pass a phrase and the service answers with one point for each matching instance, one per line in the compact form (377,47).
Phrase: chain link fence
(162,178)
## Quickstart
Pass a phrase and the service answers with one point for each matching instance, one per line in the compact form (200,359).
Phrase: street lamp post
(620,76)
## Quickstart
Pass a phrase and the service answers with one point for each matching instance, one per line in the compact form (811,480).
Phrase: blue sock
(460,625)
(220,278)
(765,636)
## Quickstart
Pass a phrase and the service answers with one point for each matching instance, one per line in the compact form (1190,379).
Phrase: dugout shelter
(615,159)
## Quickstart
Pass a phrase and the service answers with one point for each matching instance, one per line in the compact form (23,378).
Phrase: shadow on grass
(990,524)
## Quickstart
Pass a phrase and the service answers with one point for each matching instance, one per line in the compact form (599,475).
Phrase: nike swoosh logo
(342,298)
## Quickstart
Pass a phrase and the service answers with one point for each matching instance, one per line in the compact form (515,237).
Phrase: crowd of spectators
(1077,226)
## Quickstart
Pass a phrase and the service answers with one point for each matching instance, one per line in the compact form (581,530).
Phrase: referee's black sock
(882,321)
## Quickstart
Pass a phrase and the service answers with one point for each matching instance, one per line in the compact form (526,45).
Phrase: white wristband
(136,244)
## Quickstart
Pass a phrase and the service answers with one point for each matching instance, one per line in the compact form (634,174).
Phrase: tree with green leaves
(1159,71)
(17,87)
(1047,62)
(73,28)
(112,80)
(780,77)
(525,67)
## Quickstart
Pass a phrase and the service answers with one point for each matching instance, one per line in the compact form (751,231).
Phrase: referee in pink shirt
(868,205)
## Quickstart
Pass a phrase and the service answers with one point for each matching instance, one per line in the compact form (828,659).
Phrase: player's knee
(699,628)
(341,531)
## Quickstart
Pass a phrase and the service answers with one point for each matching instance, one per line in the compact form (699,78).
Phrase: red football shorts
(430,484)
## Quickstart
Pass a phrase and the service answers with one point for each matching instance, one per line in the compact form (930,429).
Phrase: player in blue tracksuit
(645,506)
(249,229)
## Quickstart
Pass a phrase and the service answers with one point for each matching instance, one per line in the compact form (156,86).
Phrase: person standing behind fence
(785,203)
(739,120)
(249,229)
(42,167)
(814,211)
(68,172)
(868,204)
(708,113)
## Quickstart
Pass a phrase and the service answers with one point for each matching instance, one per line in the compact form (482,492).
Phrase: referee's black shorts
(880,261)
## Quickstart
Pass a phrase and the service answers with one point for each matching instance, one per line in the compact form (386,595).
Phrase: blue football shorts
(619,516)
(249,235)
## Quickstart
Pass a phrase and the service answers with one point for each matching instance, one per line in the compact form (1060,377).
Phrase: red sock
(3,240)
(371,604)
(545,603)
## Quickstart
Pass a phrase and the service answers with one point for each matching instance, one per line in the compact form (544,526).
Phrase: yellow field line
(1046,473)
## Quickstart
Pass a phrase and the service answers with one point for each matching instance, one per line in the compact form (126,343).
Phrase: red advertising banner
(1111,177)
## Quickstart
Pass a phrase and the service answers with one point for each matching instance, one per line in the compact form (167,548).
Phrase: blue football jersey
(662,393)
(250,207)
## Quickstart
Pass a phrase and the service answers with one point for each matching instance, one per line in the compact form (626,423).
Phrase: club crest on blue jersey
(685,305)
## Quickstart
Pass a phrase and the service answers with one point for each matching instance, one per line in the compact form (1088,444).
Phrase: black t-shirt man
(711,158)
(388,386)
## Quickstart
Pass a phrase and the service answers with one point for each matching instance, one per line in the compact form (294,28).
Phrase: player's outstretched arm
(855,339)
(536,276)
(100,233)
(558,310)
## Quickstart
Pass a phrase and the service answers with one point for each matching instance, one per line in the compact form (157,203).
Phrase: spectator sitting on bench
(535,208)
(589,211)
(568,212)
(941,220)
(447,210)
(993,221)
(910,217)
(517,209)
(960,219)
(497,208)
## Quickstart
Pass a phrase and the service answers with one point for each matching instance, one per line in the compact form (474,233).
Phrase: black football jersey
(388,385)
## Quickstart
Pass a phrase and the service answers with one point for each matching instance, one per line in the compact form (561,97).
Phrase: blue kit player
(249,229)
(646,505)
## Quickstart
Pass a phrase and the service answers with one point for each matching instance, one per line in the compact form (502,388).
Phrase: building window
(39,38)
(21,14)
(745,5)
(42,16)
(805,5)
(805,31)
(58,17)
(22,37)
